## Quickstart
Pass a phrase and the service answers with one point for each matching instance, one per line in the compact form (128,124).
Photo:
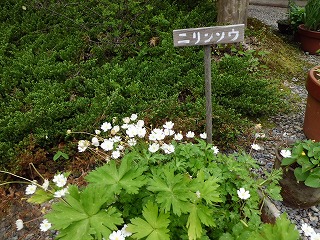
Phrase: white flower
(132,142)
(167,148)
(31,189)
(203,135)
(178,136)
(215,149)
(315,236)
(307,230)
(243,194)
(126,120)
(115,154)
(115,129)
(153,147)
(45,225)
(97,131)
(141,132)
(116,235)
(106,126)
(95,141)
(125,126)
(60,180)
(120,148)
(125,232)
(168,125)
(198,194)
(24,8)
(82,145)
(107,145)
(168,132)
(131,131)
(69,131)
(61,193)
(116,139)
(140,123)
(256,147)
(19,224)
(285,153)
(190,134)
(157,134)
(45,184)
(133,117)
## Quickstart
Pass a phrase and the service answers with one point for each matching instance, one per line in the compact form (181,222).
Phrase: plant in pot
(309,32)
(300,183)
(312,113)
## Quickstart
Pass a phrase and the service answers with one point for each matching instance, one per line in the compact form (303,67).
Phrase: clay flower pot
(310,40)
(311,125)
(295,194)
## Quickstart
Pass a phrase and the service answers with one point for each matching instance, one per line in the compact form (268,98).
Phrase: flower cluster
(57,191)
(112,139)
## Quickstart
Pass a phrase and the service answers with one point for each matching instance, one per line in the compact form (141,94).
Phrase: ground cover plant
(71,64)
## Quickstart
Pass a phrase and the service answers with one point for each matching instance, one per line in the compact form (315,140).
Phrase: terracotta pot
(295,194)
(310,40)
(311,125)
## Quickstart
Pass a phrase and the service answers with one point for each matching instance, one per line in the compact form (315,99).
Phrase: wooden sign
(208,35)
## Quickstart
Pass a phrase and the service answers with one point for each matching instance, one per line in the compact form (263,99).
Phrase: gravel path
(286,126)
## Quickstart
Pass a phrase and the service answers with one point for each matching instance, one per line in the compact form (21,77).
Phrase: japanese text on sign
(208,35)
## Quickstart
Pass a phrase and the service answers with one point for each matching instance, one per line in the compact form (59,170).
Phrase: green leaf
(40,196)
(283,229)
(313,180)
(199,214)
(300,176)
(305,163)
(60,154)
(128,176)
(173,191)
(154,227)
(287,161)
(82,214)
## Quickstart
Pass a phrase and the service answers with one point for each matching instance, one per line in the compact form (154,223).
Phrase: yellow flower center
(303,153)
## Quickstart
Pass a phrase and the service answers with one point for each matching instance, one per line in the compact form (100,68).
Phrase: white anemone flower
(168,125)
(31,189)
(61,193)
(126,120)
(167,148)
(116,235)
(190,134)
(115,154)
(178,137)
(315,236)
(203,135)
(45,225)
(243,194)
(106,126)
(141,132)
(60,180)
(125,232)
(95,141)
(107,145)
(140,123)
(45,184)
(19,224)
(132,142)
(285,153)
(154,147)
(83,145)
(133,117)
(215,149)
(131,131)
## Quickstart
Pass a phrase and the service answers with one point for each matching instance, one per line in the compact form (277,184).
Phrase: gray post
(207,67)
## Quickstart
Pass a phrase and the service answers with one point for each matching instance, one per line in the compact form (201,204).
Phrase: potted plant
(309,32)
(312,114)
(300,183)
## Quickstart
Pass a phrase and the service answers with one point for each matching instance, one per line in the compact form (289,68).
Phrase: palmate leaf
(128,176)
(154,227)
(173,191)
(313,180)
(82,215)
(199,214)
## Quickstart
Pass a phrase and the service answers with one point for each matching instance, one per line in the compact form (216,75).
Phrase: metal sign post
(208,36)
